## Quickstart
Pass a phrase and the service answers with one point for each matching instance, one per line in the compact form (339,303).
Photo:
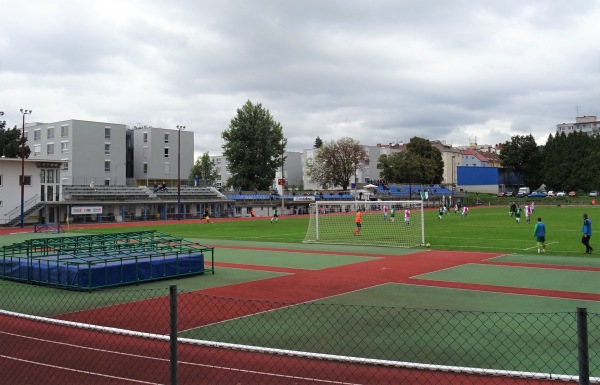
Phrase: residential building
(475,158)
(89,151)
(157,153)
(588,124)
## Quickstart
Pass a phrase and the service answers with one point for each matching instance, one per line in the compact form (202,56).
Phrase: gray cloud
(376,71)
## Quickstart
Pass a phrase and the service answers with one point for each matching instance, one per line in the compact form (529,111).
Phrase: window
(166,152)
(65,165)
(107,165)
(64,147)
(50,149)
(37,149)
(145,168)
(106,148)
(167,168)
(166,137)
(106,132)
(145,137)
(50,132)
(64,131)
(37,134)
(145,151)
(0,179)
(27,179)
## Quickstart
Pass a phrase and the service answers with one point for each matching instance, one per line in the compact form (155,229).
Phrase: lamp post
(24,112)
(452,184)
(179,128)
(283,143)
(2,124)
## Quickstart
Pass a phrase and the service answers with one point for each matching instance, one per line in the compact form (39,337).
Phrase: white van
(523,191)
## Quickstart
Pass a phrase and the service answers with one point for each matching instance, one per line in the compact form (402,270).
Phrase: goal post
(383,223)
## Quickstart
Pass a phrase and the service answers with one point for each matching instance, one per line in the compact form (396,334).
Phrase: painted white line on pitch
(80,371)
(279,308)
(493,292)
(535,247)
(157,359)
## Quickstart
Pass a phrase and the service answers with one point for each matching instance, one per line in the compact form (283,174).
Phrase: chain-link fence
(162,336)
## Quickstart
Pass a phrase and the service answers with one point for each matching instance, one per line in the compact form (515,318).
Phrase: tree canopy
(420,163)
(204,169)
(336,163)
(570,162)
(10,142)
(522,155)
(254,146)
(318,142)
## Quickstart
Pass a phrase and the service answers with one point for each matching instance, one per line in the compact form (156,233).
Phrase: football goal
(383,223)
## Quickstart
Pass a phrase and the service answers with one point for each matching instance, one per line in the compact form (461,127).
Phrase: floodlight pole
(24,112)
(179,128)
(283,141)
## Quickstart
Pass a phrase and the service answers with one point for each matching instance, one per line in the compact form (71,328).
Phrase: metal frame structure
(97,261)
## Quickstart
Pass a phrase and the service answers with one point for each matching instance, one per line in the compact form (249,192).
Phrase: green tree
(10,142)
(570,162)
(420,163)
(336,163)
(204,169)
(318,143)
(522,155)
(400,167)
(254,147)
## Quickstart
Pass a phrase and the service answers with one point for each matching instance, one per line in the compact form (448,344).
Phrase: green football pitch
(485,229)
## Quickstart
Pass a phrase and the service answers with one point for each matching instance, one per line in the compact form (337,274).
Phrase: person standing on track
(358,220)
(587,234)
(539,232)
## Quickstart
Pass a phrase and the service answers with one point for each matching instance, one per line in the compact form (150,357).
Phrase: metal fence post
(582,347)
(173,332)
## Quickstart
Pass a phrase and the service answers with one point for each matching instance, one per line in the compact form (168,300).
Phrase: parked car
(572,193)
(551,194)
(501,194)
(594,193)
(537,194)
(561,194)
(509,194)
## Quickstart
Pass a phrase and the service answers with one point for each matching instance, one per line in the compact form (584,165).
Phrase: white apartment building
(89,151)
(112,154)
(588,124)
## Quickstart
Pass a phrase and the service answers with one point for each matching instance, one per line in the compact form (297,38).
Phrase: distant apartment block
(588,124)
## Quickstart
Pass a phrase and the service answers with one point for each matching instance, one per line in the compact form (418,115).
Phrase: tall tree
(254,146)
(429,158)
(318,143)
(522,155)
(400,167)
(336,163)
(204,170)
(10,142)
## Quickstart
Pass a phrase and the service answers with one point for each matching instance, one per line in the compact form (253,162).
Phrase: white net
(382,223)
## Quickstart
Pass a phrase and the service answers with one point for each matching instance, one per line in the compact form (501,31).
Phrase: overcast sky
(377,71)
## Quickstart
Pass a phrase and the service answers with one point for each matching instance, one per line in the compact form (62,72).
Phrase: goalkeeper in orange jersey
(358,220)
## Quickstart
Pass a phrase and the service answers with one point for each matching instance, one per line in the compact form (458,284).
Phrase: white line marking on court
(80,371)
(158,359)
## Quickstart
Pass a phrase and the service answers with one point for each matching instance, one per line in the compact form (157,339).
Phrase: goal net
(384,223)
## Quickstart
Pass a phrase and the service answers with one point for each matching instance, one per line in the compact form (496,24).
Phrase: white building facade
(588,124)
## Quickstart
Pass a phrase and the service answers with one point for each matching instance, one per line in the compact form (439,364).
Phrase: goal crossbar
(382,223)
